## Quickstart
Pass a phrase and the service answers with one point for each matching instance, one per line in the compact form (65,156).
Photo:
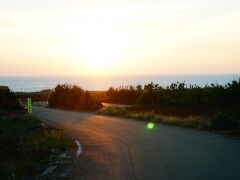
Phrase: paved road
(117,148)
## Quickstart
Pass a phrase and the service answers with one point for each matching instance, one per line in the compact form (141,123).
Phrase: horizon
(123,75)
(71,38)
(96,83)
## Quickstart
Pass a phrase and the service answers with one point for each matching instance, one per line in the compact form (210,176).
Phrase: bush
(222,121)
(124,94)
(72,98)
(8,100)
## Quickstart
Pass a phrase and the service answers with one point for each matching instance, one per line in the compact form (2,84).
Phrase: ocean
(37,83)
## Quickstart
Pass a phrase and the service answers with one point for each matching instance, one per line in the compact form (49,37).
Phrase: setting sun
(98,50)
(95,44)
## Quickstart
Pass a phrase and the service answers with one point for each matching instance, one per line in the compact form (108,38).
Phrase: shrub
(8,100)
(124,94)
(72,98)
(222,121)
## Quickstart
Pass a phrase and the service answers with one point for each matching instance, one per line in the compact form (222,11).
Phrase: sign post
(29,100)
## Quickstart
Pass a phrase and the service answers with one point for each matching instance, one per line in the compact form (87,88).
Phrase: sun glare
(95,45)
(99,51)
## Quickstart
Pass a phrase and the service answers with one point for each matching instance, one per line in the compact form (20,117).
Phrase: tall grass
(220,121)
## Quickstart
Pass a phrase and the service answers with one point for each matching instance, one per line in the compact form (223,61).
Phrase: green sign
(29,100)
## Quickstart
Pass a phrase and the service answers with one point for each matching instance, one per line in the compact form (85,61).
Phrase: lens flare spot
(150,125)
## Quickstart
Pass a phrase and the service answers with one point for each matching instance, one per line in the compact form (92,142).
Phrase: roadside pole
(29,100)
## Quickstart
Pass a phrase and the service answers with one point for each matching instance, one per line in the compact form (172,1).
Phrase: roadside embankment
(27,146)
(218,122)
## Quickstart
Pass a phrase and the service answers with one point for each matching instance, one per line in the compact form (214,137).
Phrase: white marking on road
(49,170)
(79,150)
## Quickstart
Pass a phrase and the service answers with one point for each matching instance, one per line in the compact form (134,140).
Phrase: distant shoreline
(38,83)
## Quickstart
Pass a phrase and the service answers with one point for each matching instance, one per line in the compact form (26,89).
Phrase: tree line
(177,94)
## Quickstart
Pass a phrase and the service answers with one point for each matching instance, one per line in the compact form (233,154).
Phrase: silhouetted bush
(8,100)
(72,98)
(223,121)
(124,94)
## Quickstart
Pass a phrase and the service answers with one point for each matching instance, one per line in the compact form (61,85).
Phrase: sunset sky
(72,37)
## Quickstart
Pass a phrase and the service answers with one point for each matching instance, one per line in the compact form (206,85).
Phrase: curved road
(118,148)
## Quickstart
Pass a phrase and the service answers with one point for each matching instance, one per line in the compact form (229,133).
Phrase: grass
(26,146)
(220,121)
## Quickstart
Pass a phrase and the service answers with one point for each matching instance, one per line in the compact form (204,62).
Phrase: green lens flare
(150,125)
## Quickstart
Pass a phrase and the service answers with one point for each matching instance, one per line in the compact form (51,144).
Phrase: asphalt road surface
(118,148)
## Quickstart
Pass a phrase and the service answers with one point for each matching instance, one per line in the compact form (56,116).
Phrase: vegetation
(72,98)
(43,96)
(180,105)
(26,146)
(124,94)
(8,100)
(220,121)
(177,94)
(100,96)
(35,96)
(180,99)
